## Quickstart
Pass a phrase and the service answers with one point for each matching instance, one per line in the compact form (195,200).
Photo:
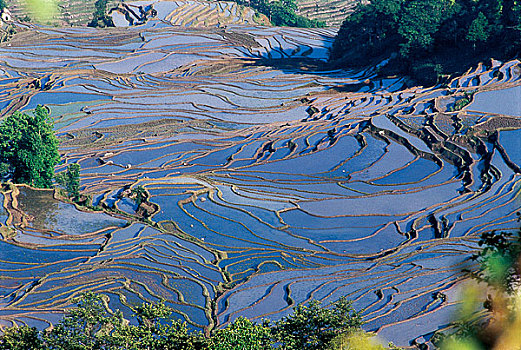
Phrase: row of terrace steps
(333,12)
(203,14)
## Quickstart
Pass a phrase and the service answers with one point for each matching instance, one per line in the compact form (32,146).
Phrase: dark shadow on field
(317,67)
(353,80)
(303,65)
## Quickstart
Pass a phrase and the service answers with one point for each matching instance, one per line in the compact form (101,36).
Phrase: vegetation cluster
(281,13)
(90,326)
(499,276)
(429,38)
(70,181)
(100,19)
(29,148)
(29,153)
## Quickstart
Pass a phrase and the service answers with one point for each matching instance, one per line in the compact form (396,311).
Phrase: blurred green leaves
(461,344)
(495,322)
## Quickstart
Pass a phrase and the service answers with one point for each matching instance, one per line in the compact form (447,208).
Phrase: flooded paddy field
(270,184)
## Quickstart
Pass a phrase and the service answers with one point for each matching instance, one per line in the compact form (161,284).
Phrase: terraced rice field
(333,12)
(270,183)
(187,13)
(194,13)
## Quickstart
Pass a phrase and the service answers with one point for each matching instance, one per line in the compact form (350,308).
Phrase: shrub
(138,195)
(242,334)
(21,338)
(70,180)
(314,327)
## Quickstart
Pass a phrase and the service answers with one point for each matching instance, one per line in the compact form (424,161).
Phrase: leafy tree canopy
(313,327)
(499,273)
(29,148)
(242,334)
(479,29)
(90,326)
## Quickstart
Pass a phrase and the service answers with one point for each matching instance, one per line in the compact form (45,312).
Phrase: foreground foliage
(499,271)
(313,327)
(429,37)
(90,326)
(28,148)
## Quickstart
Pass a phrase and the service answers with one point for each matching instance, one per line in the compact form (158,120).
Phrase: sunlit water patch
(505,101)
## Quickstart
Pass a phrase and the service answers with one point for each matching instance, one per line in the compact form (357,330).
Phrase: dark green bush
(70,180)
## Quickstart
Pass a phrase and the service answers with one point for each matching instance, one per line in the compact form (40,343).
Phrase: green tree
(100,18)
(70,180)
(242,334)
(314,327)
(281,13)
(84,327)
(29,148)
(428,33)
(500,270)
(418,23)
(358,340)
(153,333)
(512,18)
(21,338)
(90,326)
(478,30)
(498,260)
